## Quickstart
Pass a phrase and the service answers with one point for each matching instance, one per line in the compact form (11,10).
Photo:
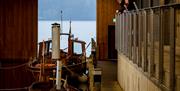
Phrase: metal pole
(61,21)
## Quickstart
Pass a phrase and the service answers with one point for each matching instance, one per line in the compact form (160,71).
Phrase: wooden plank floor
(109,76)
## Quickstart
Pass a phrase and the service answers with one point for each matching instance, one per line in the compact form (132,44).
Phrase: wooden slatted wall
(18,27)
(18,40)
(105,13)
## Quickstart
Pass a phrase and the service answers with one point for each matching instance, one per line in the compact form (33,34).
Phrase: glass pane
(64,43)
(77,48)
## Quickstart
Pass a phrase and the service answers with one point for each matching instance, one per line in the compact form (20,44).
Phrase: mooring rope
(13,67)
(16,89)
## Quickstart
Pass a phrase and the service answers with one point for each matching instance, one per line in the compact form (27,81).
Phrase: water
(83,30)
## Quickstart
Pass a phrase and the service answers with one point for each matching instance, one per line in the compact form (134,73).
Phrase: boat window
(77,48)
(64,43)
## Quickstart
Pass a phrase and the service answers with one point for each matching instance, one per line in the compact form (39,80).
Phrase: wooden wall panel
(105,13)
(18,27)
(132,79)
(18,41)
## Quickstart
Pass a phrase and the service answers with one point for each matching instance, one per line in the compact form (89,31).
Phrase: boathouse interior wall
(18,41)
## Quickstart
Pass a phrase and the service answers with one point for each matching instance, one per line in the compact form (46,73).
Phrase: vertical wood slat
(133,48)
(161,49)
(125,33)
(104,38)
(145,41)
(139,38)
(101,33)
(35,18)
(130,36)
(134,30)
(1,22)
(121,27)
(172,49)
(136,36)
(120,37)
(122,30)
(119,33)
(152,43)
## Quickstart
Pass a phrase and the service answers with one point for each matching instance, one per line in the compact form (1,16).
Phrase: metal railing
(147,38)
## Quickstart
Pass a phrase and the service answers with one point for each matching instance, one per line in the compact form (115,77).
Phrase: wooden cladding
(18,27)
(18,42)
(148,38)
(105,13)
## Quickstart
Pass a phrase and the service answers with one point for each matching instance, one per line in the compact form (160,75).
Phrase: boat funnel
(56,53)
(55,41)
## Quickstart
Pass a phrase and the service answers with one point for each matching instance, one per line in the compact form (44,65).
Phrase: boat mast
(61,21)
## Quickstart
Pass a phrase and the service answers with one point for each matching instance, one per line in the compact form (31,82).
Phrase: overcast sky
(72,9)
